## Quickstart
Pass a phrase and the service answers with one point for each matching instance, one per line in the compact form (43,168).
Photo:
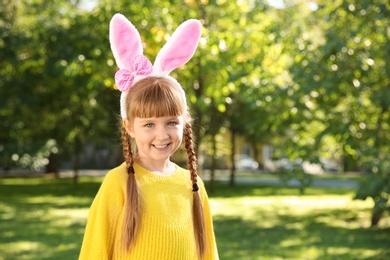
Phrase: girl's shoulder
(187,175)
(116,177)
(112,189)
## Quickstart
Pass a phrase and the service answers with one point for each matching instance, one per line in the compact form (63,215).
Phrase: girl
(149,207)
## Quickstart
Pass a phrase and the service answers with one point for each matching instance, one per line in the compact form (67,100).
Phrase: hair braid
(132,205)
(198,218)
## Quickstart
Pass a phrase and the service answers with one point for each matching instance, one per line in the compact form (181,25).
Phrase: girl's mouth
(161,146)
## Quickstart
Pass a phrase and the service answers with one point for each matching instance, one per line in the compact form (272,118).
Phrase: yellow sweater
(166,231)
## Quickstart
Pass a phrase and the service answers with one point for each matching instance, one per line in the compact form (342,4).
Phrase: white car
(329,165)
(244,162)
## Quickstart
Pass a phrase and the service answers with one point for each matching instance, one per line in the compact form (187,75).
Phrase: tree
(56,76)
(344,93)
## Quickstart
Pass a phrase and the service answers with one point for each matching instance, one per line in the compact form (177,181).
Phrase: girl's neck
(164,168)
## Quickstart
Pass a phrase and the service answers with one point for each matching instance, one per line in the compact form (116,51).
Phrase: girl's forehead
(160,118)
(155,110)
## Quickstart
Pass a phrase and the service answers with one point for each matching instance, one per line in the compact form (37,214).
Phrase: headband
(133,66)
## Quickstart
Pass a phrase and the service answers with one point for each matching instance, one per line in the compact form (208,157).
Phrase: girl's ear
(180,47)
(125,42)
(129,127)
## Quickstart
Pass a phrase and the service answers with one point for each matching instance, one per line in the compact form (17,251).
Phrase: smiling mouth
(161,146)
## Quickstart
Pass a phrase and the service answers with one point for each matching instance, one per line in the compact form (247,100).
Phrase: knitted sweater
(166,231)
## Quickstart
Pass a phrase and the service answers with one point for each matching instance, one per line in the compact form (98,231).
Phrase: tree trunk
(52,166)
(76,162)
(255,153)
(213,162)
(233,168)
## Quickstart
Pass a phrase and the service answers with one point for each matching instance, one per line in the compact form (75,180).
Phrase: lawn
(45,218)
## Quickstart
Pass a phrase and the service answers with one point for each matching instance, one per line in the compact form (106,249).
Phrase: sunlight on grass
(6,212)
(292,242)
(342,251)
(22,247)
(249,207)
(45,219)
(67,217)
(28,181)
(293,227)
(79,214)
(64,201)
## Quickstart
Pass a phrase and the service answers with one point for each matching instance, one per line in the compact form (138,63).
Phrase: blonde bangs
(155,97)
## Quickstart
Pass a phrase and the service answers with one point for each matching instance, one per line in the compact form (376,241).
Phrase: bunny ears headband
(133,66)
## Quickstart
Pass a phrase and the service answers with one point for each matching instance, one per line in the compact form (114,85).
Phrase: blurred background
(293,88)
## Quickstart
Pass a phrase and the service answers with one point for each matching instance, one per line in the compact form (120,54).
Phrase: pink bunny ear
(180,47)
(125,41)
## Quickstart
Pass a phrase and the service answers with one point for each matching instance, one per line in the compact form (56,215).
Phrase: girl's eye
(172,123)
(149,125)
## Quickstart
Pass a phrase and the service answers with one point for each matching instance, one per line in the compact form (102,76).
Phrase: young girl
(149,207)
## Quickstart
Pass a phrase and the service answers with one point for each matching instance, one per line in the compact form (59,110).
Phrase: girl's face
(157,138)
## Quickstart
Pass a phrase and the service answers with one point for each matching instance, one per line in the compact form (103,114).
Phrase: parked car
(278,164)
(283,164)
(329,165)
(245,162)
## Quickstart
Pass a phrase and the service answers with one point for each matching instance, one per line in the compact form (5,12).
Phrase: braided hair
(144,100)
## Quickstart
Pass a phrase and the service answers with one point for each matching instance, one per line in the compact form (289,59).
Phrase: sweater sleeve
(211,246)
(103,218)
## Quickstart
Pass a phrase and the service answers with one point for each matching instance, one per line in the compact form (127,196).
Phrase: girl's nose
(162,133)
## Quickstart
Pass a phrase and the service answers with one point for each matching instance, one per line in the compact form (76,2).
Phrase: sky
(280,4)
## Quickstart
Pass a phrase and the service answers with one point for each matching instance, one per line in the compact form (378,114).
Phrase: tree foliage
(310,78)
(55,74)
(343,91)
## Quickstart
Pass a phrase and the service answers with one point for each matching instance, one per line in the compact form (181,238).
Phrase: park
(285,83)
(44,218)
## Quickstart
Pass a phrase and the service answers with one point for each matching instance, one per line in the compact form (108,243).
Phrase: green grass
(45,219)
(277,223)
(323,176)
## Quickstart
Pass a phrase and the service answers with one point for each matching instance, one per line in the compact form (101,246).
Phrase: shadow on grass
(49,186)
(271,234)
(45,219)
(223,190)
(294,237)
(243,239)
